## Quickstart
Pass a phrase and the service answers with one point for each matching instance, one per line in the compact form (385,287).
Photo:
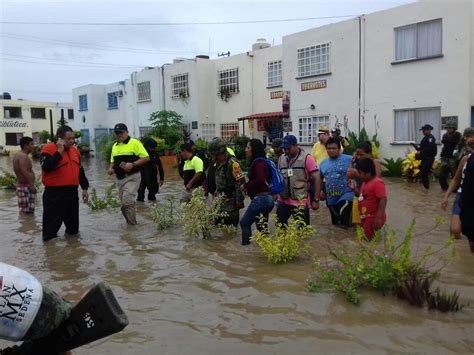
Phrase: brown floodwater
(215,296)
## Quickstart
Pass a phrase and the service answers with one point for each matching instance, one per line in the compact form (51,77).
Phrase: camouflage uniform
(229,178)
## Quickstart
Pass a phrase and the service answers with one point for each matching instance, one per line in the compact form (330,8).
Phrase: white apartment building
(391,72)
(19,118)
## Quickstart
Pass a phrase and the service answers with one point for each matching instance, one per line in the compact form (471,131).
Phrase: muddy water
(214,296)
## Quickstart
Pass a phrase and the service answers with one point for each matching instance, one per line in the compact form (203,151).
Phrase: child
(372,197)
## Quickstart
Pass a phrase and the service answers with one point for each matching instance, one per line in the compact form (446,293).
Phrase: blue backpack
(277,183)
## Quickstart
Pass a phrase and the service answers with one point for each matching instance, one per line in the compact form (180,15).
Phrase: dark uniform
(448,162)
(149,172)
(426,153)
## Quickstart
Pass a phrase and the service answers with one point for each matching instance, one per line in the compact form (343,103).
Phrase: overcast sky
(45,62)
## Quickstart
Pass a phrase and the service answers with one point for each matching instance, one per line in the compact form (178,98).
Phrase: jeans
(259,205)
(284,212)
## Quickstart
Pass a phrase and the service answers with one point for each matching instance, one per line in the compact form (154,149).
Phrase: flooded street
(215,296)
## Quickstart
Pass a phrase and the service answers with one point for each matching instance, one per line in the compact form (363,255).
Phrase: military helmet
(217,146)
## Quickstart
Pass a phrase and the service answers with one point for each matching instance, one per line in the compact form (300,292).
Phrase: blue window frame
(112,100)
(82,102)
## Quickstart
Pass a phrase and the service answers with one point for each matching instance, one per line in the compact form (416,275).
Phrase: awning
(265,115)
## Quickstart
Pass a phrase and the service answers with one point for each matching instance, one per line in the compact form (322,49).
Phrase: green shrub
(104,147)
(96,203)
(164,215)
(288,241)
(8,180)
(202,145)
(392,167)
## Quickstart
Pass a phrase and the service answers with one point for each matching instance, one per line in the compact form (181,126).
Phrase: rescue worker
(62,173)
(228,178)
(149,172)
(127,157)
(427,151)
(193,171)
(276,151)
(450,141)
(336,133)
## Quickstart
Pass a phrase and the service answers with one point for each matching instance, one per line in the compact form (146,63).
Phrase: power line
(173,23)
(64,64)
(37,92)
(72,61)
(90,46)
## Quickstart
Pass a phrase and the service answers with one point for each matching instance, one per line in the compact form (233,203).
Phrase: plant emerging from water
(97,203)
(287,242)
(199,217)
(392,167)
(8,180)
(165,215)
(389,267)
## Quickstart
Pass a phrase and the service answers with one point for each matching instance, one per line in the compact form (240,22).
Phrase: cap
(120,127)
(336,130)
(277,142)
(217,146)
(288,141)
(149,143)
(468,132)
(426,126)
(323,129)
(451,125)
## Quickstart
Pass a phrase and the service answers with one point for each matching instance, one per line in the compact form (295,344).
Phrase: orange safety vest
(67,171)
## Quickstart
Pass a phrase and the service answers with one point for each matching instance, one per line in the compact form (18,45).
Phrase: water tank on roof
(261,43)
(6,96)
(202,56)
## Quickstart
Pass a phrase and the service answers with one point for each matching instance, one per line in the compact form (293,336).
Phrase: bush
(287,242)
(199,217)
(8,180)
(104,147)
(386,266)
(411,167)
(164,215)
(96,203)
(355,140)
(167,125)
(202,145)
(392,167)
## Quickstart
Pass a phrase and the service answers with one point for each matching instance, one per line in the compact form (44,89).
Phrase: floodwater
(214,296)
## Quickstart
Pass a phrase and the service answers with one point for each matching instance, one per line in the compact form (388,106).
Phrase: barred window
(208,131)
(308,127)
(313,60)
(229,130)
(179,83)
(228,81)
(82,102)
(144,93)
(112,100)
(38,112)
(274,74)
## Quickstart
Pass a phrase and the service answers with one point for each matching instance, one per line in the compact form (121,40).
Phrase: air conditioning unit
(119,93)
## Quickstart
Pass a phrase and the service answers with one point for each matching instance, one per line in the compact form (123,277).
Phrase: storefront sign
(251,126)
(449,120)
(13,124)
(313,85)
(276,94)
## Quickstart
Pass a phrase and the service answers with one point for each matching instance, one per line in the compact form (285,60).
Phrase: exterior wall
(26,125)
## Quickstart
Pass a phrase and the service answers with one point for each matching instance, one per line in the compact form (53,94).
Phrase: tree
(168,126)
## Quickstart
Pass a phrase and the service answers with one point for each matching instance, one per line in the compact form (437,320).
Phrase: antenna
(223,54)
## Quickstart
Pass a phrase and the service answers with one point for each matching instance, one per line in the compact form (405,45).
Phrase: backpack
(276,183)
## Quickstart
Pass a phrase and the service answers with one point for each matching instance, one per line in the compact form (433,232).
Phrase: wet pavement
(215,296)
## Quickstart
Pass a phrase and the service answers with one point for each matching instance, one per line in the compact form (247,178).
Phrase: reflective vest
(297,184)
(67,170)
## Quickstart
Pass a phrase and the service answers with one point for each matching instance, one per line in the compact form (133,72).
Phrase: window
(12,112)
(82,102)
(308,127)
(112,100)
(313,60)
(13,138)
(145,130)
(228,81)
(144,93)
(208,131)
(421,40)
(409,122)
(229,130)
(70,114)
(274,74)
(179,83)
(38,112)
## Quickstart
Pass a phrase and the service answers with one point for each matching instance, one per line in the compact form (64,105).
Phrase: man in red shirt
(62,173)
(372,198)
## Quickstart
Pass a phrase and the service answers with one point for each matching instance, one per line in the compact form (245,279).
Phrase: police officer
(427,151)
(228,178)
(450,141)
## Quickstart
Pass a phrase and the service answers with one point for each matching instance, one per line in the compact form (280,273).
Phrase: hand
(315,205)
(161,182)
(378,222)
(60,145)
(351,184)
(85,196)
(110,171)
(33,189)
(189,187)
(444,204)
(128,167)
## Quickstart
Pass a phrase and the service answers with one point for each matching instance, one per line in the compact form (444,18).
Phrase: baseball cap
(288,141)
(120,127)
(323,129)
(426,126)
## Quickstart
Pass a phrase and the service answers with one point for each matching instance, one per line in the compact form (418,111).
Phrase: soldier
(229,177)
(450,141)
(427,151)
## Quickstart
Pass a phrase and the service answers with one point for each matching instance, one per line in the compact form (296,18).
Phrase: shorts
(457,205)
(26,199)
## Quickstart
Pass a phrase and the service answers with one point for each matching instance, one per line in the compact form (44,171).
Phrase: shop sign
(13,124)
(276,94)
(313,85)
